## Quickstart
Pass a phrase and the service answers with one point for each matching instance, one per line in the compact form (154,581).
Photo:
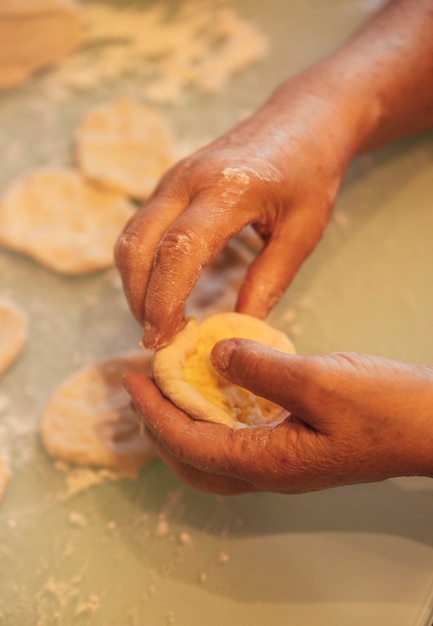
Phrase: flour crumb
(162,528)
(80,479)
(77,519)
(341,220)
(90,605)
(223,558)
(170,618)
(185,539)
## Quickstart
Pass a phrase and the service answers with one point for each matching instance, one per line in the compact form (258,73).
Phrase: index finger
(192,242)
(136,246)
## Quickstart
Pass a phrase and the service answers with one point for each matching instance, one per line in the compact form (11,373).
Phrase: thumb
(286,379)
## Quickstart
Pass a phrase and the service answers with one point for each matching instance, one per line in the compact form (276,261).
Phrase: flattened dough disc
(34,34)
(89,419)
(126,146)
(63,221)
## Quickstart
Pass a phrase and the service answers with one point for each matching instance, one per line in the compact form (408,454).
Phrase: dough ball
(34,34)
(89,419)
(4,474)
(63,221)
(184,373)
(13,333)
(125,146)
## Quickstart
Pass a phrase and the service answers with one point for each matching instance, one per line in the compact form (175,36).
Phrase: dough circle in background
(126,146)
(4,474)
(62,221)
(184,373)
(13,333)
(35,34)
(89,419)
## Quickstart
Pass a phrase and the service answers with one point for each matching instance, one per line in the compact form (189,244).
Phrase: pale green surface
(348,557)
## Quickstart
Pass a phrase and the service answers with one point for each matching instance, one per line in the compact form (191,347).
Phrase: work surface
(150,551)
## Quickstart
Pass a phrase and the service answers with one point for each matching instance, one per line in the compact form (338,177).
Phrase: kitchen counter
(84,548)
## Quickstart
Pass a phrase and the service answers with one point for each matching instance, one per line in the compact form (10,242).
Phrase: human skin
(353,418)
(279,170)
(358,418)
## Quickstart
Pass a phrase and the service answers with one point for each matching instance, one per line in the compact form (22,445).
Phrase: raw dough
(184,373)
(89,419)
(4,474)
(34,34)
(126,146)
(13,333)
(63,221)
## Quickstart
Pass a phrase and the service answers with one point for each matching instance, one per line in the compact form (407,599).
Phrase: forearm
(380,82)
(388,65)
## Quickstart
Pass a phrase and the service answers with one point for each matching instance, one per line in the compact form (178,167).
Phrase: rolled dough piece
(13,333)
(184,373)
(35,34)
(4,474)
(62,220)
(125,146)
(89,419)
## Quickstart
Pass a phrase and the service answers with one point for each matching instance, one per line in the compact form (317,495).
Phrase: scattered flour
(201,45)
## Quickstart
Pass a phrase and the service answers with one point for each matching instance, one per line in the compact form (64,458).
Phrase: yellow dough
(184,373)
(89,419)
(126,146)
(62,221)
(13,333)
(34,34)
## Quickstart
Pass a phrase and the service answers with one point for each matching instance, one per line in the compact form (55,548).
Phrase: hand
(355,418)
(279,170)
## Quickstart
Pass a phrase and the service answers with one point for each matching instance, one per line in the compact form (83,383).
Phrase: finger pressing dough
(184,373)
(63,221)
(13,333)
(89,419)
(4,474)
(125,146)
(34,34)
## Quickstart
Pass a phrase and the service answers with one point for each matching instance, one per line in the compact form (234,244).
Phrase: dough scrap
(184,373)
(13,333)
(126,146)
(62,221)
(5,474)
(89,419)
(35,34)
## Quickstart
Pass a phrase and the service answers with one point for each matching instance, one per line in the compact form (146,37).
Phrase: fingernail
(222,354)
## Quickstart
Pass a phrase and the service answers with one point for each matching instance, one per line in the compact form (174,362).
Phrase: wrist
(338,116)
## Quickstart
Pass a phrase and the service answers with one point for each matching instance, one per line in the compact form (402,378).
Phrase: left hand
(355,418)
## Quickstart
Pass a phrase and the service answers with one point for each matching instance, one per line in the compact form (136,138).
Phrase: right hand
(354,418)
(279,170)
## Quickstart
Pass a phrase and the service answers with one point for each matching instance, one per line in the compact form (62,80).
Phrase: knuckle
(126,246)
(177,245)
